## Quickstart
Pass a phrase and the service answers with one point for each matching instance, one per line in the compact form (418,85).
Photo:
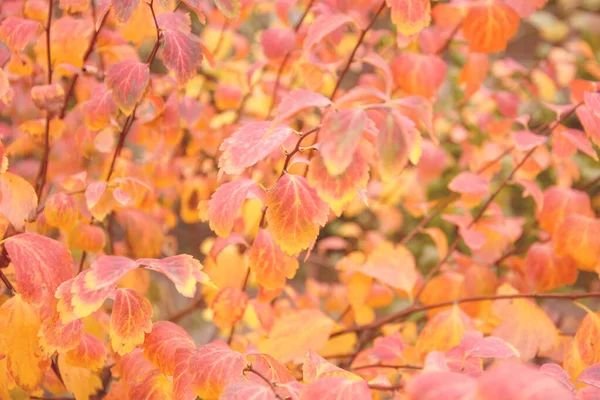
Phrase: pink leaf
(128,80)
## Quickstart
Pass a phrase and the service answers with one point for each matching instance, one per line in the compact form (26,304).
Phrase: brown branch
(230,337)
(401,315)
(590,184)
(391,388)
(286,59)
(188,310)
(7,283)
(40,180)
(86,55)
(272,385)
(390,366)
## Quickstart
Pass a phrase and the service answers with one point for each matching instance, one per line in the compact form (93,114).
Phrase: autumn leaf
(161,344)
(82,382)
(61,211)
(131,318)
(544,270)
(127,80)
(578,236)
(143,232)
(582,351)
(560,202)
(295,213)
(444,331)
(182,52)
(17,199)
(54,335)
(322,26)
(522,320)
(277,42)
(18,32)
(226,202)
(489,26)
(230,8)
(84,294)
(337,387)
(247,390)
(183,270)
(100,109)
(228,307)
(48,97)
(270,264)
(89,353)
(419,74)
(340,136)
(410,16)
(123,9)
(288,343)
(192,378)
(19,324)
(432,385)
(296,101)
(249,145)
(41,265)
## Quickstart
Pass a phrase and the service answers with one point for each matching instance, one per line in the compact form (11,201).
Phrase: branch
(272,385)
(401,315)
(188,310)
(392,388)
(286,59)
(390,366)
(40,180)
(230,338)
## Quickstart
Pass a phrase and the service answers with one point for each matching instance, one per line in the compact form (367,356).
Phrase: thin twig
(272,385)
(244,284)
(188,310)
(391,388)
(407,312)
(390,366)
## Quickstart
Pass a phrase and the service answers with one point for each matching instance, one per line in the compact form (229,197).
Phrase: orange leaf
(131,317)
(522,320)
(127,80)
(474,72)
(90,353)
(84,294)
(162,343)
(192,377)
(87,237)
(53,334)
(489,26)
(41,265)
(444,331)
(99,109)
(295,213)
(228,307)
(578,236)
(143,232)
(545,271)
(155,386)
(339,191)
(560,202)
(419,74)
(61,211)
(19,324)
(269,263)
(410,16)
(287,343)
(17,199)
(583,350)
(322,26)
(226,202)
(82,382)
(18,32)
(316,367)
(249,145)
(393,266)
(183,270)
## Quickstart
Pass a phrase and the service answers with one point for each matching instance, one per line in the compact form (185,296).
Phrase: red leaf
(41,265)
(419,74)
(18,32)
(277,42)
(295,213)
(123,9)
(53,334)
(298,100)
(131,318)
(182,54)
(193,378)
(183,270)
(322,26)
(249,145)
(162,343)
(337,387)
(99,109)
(90,353)
(340,135)
(226,202)
(128,80)
(84,294)
(269,263)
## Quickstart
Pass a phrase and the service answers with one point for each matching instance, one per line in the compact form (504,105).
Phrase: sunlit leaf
(270,264)
(131,318)
(162,343)
(127,80)
(227,201)
(489,26)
